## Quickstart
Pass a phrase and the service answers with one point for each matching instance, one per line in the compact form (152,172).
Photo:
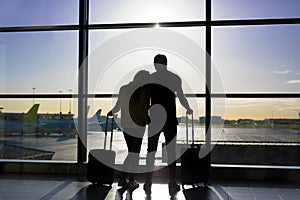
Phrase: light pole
(33,95)
(60,91)
(70,90)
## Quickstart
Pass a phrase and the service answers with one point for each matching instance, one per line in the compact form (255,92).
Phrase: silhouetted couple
(139,99)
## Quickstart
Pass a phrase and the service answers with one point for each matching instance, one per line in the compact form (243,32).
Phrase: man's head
(160,62)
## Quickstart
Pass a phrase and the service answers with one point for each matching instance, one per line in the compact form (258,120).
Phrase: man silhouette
(164,88)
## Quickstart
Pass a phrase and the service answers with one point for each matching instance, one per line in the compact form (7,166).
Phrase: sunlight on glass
(119,11)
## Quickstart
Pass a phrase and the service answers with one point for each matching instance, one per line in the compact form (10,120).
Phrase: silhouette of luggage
(194,170)
(101,162)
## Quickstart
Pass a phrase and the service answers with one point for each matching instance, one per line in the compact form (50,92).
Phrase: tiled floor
(16,186)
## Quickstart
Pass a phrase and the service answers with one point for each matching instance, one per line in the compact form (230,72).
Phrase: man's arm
(116,108)
(183,100)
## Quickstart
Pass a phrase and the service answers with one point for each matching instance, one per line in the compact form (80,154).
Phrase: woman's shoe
(132,185)
(121,182)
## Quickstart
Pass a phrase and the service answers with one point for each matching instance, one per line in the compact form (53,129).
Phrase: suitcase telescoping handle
(187,129)
(111,132)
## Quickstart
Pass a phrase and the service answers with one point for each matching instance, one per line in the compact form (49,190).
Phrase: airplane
(65,124)
(99,120)
(56,123)
(33,123)
(43,124)
(19,123)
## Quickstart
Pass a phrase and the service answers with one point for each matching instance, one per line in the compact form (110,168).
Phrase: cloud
(283,71)
(293,82)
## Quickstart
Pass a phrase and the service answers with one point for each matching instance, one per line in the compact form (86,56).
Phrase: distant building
(282,121)
(246,121)
(227,121)
(182,120)
(201,120)
(214,120)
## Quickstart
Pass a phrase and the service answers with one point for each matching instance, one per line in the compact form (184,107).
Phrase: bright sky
(249,59)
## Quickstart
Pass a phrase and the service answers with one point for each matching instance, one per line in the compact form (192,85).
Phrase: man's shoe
(173,188)
(147,188)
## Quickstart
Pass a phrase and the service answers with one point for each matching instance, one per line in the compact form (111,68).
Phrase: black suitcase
(194,170)
(100,166)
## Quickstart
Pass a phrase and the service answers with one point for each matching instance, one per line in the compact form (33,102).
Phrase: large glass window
(254,112)
(108,57)
(260,120)
(255,9)
(120,11)
(38,129)
(258,131)
(38,62)
(98,107)
(38,12)
(257,58)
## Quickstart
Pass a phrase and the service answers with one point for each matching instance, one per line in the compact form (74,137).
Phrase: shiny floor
(29,186)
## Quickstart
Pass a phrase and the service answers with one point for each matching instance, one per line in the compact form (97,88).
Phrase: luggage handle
(187,129)
(111,133)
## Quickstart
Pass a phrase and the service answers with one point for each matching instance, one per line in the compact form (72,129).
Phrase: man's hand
(110,114)
(189,111)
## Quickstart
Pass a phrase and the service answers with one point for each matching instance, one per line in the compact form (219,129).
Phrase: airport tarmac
(65,148)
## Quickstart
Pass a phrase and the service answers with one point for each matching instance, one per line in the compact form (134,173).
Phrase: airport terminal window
(266,54)
(124,67)
(253,76)
(34,129)
(135,11)
(14,13)
(95,135)
(258,131)
(46,61)
(255,9)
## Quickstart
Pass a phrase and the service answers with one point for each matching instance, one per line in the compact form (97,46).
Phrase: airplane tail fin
(30,116)
(97,115)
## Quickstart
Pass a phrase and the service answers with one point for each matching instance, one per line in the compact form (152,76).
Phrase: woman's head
(141,76)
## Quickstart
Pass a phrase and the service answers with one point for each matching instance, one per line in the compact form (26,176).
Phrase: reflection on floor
(27,186)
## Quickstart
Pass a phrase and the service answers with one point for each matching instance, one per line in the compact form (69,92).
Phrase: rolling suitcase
(194,170)
(100,166)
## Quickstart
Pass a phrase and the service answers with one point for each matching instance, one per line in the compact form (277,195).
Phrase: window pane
(38,131)
(38,12)
(124,59)
(120,11)
(46,61)
(257,58)
(244,9)
(259,132)
(95,136)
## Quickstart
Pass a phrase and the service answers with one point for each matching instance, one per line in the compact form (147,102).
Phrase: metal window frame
(83,30)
